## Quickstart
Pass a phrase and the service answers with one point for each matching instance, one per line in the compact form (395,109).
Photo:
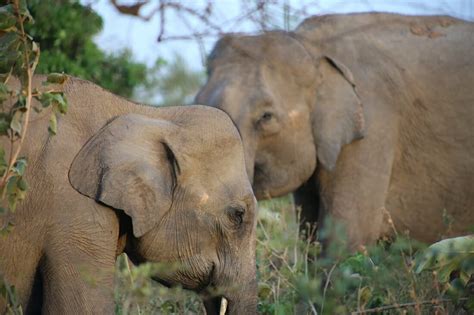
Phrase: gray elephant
(366,117)
(124,177)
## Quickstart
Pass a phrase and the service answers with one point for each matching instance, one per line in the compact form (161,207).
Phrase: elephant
(367,118)
(126,177)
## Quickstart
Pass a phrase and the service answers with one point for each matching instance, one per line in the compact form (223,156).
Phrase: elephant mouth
(266,186)
(197,283)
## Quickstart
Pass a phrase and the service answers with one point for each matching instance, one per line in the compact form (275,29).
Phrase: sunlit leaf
(16,122)
(53,124)
(55,99)
(4,92)
(7,17)
(445,256)
(56,78)
(20,166)
(264,290)
(22,184)
(4,123)
(23,6)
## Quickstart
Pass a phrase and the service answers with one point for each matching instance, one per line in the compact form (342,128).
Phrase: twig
(313,309)
(29,71)
(326,285)
(162,22)
(404,305)
(131,279)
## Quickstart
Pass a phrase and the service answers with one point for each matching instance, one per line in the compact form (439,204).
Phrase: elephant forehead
(277,50)
(294,114)
(217,193)
(204,197)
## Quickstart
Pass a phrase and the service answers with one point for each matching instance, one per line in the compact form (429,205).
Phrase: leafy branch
(19,56)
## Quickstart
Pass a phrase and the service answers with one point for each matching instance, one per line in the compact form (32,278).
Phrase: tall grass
(294,278)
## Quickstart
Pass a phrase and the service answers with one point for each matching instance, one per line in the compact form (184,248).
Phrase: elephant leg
(76,284)
(19,259)
(307,199)
(79,263)
(354,194)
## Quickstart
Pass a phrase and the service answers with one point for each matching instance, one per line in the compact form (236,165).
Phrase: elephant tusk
(223,308)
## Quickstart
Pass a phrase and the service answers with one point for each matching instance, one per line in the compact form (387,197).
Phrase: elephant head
(182,196)
(293,108)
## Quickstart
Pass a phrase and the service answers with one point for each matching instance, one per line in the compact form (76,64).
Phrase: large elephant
(124,177)
(366,117)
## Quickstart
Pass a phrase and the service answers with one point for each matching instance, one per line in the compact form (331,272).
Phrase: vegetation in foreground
(388,278)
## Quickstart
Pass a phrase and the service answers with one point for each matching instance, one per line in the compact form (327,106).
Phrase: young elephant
(161,184)
(361,115)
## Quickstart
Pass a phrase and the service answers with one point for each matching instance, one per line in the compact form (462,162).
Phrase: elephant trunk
(242,302)
(242,295)
(236,296)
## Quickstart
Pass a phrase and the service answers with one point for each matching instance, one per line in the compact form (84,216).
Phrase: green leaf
(469,305)
(45,99)
(445,256)
(16,122)
(24,11)
(20,104)
(7,17)
(8,42)
(11,185)
(455,289)
(61,103)
(9,52)
(56,99)
(264,290)
(3,162)
(57,78)
(467,265)
(4,123)
(53,124)
(4,231)
(22,184)
(4,92)
(8,59)
(20,166)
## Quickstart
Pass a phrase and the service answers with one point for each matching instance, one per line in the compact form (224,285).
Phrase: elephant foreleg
(354,194)
(79,263)
(75,284)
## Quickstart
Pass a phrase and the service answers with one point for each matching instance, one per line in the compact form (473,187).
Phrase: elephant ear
(338,117)
(130,165)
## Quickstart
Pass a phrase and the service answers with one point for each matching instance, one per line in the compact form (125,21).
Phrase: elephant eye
(266,116)
(236,214)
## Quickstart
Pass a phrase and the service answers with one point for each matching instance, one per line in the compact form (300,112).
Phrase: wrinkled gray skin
(364,117)
(123,177)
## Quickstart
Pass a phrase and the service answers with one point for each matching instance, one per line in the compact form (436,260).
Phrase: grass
(294,279)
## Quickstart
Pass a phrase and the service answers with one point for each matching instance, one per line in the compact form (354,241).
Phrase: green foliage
(65,32)
(8,292)
(453,261)
(173,81)
(336,282)
(136,293)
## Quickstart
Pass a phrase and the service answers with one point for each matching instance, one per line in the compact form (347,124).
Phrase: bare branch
(265,14)
(133,9)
